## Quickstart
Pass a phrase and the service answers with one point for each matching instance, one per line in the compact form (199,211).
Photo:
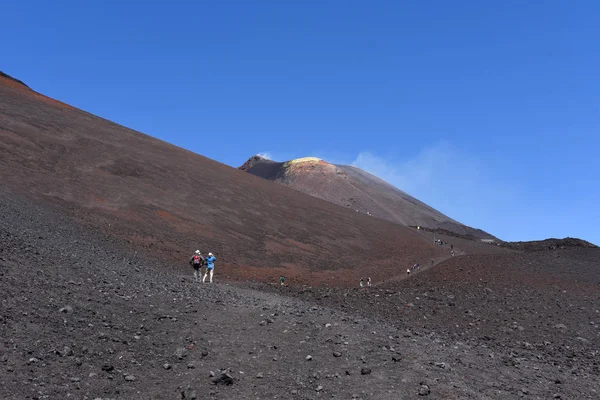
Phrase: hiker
(210,267)
(361,282)
(418,266)
(197,261)
(369,281)
(281,279)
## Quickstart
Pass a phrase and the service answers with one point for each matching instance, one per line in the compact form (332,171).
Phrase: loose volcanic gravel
(85,317)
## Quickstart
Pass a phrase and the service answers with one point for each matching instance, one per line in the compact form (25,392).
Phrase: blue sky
(486,110)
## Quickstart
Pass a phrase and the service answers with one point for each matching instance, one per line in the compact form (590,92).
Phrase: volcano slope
(85,316)
(356,190)
(170,201)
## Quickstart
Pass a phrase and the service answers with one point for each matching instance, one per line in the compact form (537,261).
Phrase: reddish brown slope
(357,190)
(170,201)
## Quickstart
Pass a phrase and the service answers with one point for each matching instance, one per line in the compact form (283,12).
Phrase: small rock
(211,374)
(107,368)
(33,360)
(560,326)
(75,379)
(260,375)
(191,366)
(66,309)
(424,390)
(337,354)
(309,358)
(319,388)
(524,391)
(365,371)
(189,394)
(167,366)
(65,352)
(180,353)
(223,379)
(204,353)
(294,392)
(130,378)
(442,365)
(557,381)
(396,358)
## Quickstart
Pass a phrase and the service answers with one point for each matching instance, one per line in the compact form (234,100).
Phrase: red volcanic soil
(356,190)
(96,226)
(169,201)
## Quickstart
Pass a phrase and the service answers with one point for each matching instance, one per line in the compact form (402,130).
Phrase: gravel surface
(83,316)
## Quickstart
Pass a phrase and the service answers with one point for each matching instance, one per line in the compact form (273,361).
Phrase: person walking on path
(210,267)
(369,281)
(361,282)
(197,261)
(281,280)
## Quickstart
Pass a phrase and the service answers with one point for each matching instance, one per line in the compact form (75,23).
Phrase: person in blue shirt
(210,267)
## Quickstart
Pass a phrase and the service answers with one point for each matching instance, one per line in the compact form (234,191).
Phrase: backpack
(197,260)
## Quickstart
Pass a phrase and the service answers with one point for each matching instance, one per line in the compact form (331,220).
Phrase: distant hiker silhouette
(361,282)
(369,281)
(281,280)
(197,261)
(210,267)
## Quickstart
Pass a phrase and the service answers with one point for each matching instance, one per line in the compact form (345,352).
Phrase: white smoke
(266,155)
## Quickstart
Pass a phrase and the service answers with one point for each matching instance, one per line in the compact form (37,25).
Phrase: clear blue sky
(487,110)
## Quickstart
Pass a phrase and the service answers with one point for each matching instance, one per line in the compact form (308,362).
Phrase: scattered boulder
(365,371)
(65,352)
(180,353)
(189,394)
(442,365)
(223,379)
